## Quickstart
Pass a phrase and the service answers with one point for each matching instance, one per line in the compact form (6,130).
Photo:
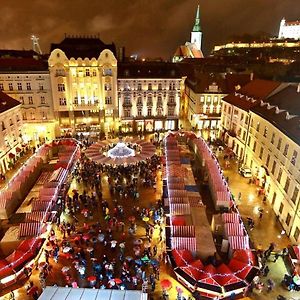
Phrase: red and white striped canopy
(37,216)
(234,229)
(183,231)
(40,205)
(5,196)
(29,229)
(239,242)
(179,209)
(177,200)
(188,243)
(231,218)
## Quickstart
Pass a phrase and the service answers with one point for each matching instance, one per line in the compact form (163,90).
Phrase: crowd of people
(105,241)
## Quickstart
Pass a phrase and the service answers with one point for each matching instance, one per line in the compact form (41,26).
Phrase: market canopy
(67,293)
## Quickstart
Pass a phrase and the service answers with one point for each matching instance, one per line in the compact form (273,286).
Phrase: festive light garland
(187,264)
(71,161)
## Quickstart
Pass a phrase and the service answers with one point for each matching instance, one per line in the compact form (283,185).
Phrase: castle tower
(281,29)
(196,34)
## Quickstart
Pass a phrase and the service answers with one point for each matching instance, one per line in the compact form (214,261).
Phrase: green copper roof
(197,26)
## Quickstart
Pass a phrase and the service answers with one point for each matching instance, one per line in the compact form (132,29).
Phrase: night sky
(149,28)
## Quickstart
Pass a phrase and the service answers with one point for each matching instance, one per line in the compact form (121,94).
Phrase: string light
(201,145)
(75,154)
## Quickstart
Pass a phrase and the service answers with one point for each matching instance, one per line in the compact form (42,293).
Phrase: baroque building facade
(149,96)
(11,142)
(267,141)
(83,74)
(25,77)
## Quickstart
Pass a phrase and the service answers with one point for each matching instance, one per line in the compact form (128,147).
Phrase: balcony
(127,104)
(171,103)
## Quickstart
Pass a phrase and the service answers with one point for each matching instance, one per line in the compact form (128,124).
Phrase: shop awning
(182,257)
(188,243)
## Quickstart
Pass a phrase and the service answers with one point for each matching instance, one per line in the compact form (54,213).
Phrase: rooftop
(148,70)
(81,46)
(7,102)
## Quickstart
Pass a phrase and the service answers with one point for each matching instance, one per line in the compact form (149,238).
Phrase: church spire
(197,26)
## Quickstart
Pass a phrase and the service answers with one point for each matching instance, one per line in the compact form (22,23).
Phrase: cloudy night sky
(149,28)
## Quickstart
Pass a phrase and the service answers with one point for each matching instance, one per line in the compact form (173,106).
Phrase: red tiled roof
(292,23)
(249,95)
(22,64)
(7,102)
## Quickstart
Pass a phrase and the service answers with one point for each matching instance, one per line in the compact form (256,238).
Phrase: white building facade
(84,86)
(149,96)
(268,143)
(289,30)
(28,81)
(11,137)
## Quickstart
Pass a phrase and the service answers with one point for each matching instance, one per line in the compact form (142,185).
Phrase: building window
(43,101)
(107,72)
(30,100)
(149,101)
(295,195)
(149,111)
(150,86)
(28,86)
(139,87)
(279,175)
(24,116)
(281,208)
(10,86)
(274,198)
(294,157)
(127,113)
(107,87)
(273,138)
(246,120)
(1,87)
(139,112)
(297,234)
(32,116)
(257,126)
(288,219)
(279,143)
(159,87)
(41,87)
(44,116)
(261,151)
(286,149)
(268,160)
(62,101)
(94,73)
(87,72)
(61,87)
(273,167)
(108,100)
(249,141)
(22,100)
(287,184)
(171,111)
(254,146)
(265,131)
(19,86)
(159,111)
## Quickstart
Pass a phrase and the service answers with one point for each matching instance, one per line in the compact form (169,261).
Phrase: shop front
(127,126)
(149,125)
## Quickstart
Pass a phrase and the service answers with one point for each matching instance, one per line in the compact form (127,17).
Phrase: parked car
(245,172)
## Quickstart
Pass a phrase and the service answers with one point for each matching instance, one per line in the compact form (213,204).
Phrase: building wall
(234,124)
(11,136)
(204,109)
(84,91)
(273,158)
(149,104)
(269,148)
(33,90)
(288,31)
